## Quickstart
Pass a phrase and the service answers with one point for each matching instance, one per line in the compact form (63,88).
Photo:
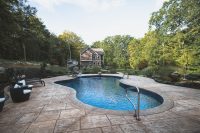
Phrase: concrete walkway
(54,108)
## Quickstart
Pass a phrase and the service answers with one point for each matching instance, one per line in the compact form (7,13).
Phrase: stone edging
(166,105)
(167,102)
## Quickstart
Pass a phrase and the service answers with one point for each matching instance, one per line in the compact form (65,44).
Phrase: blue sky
(94,20)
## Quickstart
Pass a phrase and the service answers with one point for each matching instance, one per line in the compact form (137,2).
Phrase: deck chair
(20,91)
(35,80)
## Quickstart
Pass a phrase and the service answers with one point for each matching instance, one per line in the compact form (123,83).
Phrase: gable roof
(98,50)
(94,50)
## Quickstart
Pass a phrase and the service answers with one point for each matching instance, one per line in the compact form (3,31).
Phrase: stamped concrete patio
(54,108)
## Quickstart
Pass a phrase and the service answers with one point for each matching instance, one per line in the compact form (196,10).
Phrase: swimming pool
(106,92)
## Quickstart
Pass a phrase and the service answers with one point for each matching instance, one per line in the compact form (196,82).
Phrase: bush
(143,64)
(149,71)
(3,78)
(85,70)
(132,72)
(166,70)
(192,76)
(175,76)
(6,77)
(43,69)
(95,70)
(104,71)
(91,70)
(113,71)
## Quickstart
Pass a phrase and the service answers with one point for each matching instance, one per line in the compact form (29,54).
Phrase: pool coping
(167,102)
(166,105)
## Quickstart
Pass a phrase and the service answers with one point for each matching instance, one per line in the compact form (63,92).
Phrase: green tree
(178,20)
(134,50)
(72,44)
(22,34)
(116,50)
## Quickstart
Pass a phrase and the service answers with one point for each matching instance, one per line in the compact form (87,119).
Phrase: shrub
(43,69)
(143,64)
(132,72)
(175,76)
(95,70)
(85,70)
(113,71)
(104,71)
(166,70)
(3,78)
(192,76)
(149,71)
(169,73)
(6,77)
(91,70)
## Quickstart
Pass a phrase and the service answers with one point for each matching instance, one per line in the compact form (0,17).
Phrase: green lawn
(32,68)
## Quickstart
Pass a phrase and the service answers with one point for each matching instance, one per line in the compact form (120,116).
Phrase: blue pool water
(105,92)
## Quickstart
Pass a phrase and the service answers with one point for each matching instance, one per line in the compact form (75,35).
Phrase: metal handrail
(124,74)
(131,103)
(137,111)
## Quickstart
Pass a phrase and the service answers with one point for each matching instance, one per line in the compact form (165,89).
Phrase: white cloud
(89,5)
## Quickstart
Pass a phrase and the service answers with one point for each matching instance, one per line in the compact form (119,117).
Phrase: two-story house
(92,57)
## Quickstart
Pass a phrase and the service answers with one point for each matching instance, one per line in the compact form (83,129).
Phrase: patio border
(166,105)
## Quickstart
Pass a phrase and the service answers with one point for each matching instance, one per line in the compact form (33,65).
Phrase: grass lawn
(32,69)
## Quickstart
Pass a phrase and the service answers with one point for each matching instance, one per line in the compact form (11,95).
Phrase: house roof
(98,50)
(95,50)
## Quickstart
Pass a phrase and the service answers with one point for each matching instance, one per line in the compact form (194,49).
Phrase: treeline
(116,50)
(24,36)
(173,39)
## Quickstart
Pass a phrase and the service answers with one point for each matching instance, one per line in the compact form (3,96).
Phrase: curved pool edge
(166,105)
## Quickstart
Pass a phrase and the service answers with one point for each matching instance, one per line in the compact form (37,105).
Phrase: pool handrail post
(138,110)
(127,76)
(135,115)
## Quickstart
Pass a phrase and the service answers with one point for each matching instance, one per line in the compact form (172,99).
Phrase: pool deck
(55,109)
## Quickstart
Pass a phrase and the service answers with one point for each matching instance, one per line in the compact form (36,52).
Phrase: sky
(94,20)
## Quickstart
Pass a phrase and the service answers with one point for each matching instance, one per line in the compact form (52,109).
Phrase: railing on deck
(137,111)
